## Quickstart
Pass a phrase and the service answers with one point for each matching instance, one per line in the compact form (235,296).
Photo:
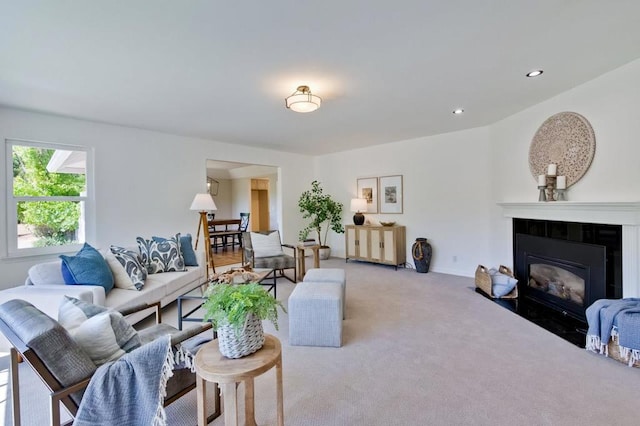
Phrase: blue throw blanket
(611,318)
(129,391)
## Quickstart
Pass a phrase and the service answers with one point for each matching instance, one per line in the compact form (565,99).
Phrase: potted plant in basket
(236,312)
(323,212)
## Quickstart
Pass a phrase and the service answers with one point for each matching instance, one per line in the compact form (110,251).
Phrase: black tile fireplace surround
(590,252)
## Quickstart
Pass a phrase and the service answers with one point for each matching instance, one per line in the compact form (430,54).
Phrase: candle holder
(542,196)
(550,191)
(551,186)
(561,195)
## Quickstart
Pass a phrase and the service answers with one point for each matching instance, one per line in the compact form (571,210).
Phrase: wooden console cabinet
(378,244)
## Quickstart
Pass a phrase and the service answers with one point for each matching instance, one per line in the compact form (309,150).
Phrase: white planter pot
(325,252)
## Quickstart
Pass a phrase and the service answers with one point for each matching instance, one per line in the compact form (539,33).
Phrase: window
(47,197)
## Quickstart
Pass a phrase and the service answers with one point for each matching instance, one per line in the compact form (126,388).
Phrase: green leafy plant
(230,304)
(322,210)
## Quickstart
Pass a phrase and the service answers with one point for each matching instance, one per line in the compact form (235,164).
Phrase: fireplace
(567,266)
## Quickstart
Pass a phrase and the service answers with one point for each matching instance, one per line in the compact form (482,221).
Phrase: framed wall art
(391,194)
(368,189)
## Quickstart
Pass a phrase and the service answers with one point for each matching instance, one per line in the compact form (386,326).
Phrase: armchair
(265,250)
(62,364)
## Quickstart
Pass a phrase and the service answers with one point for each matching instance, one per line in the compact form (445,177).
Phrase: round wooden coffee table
(212,366)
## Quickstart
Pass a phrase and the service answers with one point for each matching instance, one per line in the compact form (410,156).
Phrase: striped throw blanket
(617,319)
(129,391)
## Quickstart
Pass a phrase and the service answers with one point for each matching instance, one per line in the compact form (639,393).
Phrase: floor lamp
(203,203)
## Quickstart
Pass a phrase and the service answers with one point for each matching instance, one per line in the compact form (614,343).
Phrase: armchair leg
(294,280)
(15,387)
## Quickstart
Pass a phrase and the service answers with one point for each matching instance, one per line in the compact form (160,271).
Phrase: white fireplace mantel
(613,213)
(622,213)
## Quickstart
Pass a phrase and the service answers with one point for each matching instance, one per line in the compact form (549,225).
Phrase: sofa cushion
(174,281)
(130,261)
(87,267)
(46,273)
(161,256)
(186,249)
(103,334)
(152,292)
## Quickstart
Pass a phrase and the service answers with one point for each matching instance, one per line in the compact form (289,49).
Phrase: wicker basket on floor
(614,352)
(245,342)
(483,281)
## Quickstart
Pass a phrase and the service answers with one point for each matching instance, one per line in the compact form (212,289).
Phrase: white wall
(273,202)
(610,104)
(223,200)
(241,189)
(446,193)
(145,181)
(452,182)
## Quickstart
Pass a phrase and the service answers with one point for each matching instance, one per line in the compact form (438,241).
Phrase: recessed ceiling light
(458,111)
(534,73)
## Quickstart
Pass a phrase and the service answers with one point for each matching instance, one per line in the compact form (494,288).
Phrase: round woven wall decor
(567,140)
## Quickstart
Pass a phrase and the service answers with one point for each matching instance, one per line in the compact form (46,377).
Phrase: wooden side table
(212,366)
(301,264)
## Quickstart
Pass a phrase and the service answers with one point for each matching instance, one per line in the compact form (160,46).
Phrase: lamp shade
(303,101)
(358,205)
(203,202)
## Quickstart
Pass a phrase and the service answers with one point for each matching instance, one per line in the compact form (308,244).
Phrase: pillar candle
(551,170)
(542,180)
(562,182)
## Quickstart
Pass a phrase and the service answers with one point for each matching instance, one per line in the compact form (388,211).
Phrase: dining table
(221,229)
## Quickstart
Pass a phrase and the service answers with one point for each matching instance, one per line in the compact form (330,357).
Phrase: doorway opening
(243,188)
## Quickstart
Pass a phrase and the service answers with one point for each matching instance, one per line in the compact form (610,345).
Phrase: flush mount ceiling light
(534,73)
(302,100)
(458,111)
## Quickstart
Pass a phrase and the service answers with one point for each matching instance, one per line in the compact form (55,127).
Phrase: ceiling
(386,71)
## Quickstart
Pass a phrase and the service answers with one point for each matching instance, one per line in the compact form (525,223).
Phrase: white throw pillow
(96,337)
(266,245)
(104,335)
(120,277)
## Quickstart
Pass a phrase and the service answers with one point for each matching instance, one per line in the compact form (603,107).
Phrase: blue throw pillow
(501,284)
(186,249)
(87,267)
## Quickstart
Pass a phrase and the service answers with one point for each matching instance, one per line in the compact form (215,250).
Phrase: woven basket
(614,352)
(243,343)
(483,281)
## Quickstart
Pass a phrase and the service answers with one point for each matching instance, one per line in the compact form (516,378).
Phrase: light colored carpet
(425,349)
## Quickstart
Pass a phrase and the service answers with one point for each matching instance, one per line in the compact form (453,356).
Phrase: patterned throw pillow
(131,263)
(186,249)
(161,256)
(103,334)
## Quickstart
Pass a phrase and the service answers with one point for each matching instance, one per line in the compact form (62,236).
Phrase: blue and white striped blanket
(615,319)
(129,391)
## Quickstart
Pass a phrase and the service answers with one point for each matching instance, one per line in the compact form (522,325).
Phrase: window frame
(12,201)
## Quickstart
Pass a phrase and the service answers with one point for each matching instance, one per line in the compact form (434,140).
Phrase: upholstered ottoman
(315,314)
(331,275)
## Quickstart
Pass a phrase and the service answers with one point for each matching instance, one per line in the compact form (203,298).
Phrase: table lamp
(204,202)
(358,205)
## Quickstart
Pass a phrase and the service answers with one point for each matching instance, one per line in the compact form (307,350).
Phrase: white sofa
(44,288)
